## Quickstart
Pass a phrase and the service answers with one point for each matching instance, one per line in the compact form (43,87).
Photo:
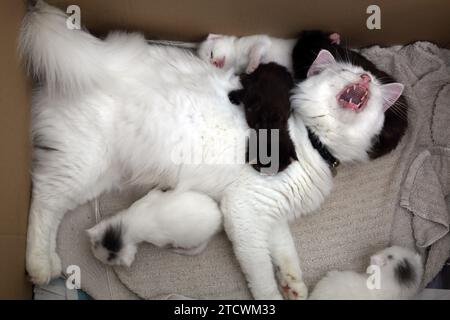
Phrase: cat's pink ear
(323,59)
(213,36)
(391,92)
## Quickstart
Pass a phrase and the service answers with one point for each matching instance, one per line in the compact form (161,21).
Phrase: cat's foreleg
(286,262)
(249,233)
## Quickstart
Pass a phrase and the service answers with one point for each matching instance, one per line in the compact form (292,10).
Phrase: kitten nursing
(399,270)
(246,53)
(265,96)
(115,115)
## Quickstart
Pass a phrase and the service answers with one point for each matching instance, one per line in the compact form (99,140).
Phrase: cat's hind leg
(63,178)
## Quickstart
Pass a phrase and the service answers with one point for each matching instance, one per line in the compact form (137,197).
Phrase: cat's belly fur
(139,130)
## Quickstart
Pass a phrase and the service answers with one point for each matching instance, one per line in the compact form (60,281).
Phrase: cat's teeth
(350,100)
(348,90)
(354,87)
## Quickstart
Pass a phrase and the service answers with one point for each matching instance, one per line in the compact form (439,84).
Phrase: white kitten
(400,274)
(184,221)
(246,53)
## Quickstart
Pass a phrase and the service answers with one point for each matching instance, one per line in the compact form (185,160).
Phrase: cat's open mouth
(355,95)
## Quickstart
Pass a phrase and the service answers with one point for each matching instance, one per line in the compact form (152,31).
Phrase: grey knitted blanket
(402,198)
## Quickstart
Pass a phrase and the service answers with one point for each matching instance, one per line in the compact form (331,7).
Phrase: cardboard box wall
(402,21)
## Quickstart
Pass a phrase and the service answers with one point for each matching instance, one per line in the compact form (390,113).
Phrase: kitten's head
(343,105)
(108,244)
(399,266)
(218,50)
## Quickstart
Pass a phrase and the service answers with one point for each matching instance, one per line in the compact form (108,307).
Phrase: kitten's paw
(292,288)
(39,269)
(335,38)
(251,67)
(190,251)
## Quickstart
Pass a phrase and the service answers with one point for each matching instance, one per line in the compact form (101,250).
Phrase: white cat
(184,221)
(246,53)
(119,112)
(399,270)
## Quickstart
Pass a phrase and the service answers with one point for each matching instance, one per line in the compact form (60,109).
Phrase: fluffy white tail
(64,60)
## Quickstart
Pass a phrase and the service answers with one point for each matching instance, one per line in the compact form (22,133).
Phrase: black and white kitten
(395,273)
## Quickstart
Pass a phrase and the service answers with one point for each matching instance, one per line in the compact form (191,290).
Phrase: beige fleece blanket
(402,198)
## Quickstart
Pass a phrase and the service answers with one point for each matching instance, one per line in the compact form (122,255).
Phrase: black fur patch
(405,273)
(305,52)
(265,96)
(112,238)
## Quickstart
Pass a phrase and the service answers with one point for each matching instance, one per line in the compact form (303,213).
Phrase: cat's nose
(365,77)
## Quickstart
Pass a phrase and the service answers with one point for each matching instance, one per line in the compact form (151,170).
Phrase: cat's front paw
(295,291)
(292,288)
(190,251)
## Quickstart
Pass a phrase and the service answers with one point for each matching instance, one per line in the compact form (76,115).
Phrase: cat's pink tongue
(355,96)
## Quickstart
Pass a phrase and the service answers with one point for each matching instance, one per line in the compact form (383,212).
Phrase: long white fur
(149,104)
(246,53)
(350,285)
(184,221)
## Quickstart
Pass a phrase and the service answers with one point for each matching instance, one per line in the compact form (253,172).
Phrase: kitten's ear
(391,92)
(213,36)
(323,59)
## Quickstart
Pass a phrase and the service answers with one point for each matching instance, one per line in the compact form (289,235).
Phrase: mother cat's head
(349,108)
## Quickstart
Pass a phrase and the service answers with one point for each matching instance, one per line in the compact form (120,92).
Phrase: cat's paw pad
(292,288)
(335,38)
(295,291)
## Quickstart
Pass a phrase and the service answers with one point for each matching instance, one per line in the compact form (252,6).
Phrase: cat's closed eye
(212,55)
